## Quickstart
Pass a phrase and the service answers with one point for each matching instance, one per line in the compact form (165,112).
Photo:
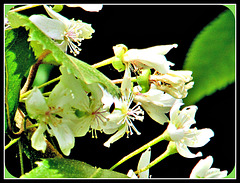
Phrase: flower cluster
(74,108)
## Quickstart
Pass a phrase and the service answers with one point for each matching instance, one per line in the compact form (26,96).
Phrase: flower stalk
(163,136)
(171,149)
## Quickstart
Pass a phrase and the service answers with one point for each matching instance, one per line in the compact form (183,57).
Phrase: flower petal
(174,133)
(131,174)
(116,136)
(57,16)
(64,136)
(51,27)
(199,138)
(174,112)
(87,7)
(201,168)
(143,162)
(184,151)
(126,83)
(36,104)
(216,173)
(186,117)
(38,139)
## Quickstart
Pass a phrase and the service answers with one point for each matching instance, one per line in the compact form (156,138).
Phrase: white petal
(184,151)
(36,104)
(216,173)
(202,167)
(156,113)
(57,16)
(38,139)
(143,162)
(161,50)
(80,98)
(200,138)
(131,174)
(174,133)
(51,27)
(87,7)
(174,112)
(116,136)
(186,117)
(64,137)
(126,83)
(82,126)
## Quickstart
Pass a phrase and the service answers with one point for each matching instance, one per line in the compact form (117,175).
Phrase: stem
(117,81)
(21,157)
(171,149)
(11,143)
(103,63)
(33,71)
(164,136)
(41,86)
(25,7)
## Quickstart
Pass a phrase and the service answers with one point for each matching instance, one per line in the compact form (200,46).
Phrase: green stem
(41,86)
(103,63)
(32,126)
(117,81)
(25,7)
(21,157)
(11,143)
(164,136)
(171,149)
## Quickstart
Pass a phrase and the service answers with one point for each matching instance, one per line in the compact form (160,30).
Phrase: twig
(33,71)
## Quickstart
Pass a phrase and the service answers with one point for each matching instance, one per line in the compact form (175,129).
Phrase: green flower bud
(57,8)
(143,80)
(118,64)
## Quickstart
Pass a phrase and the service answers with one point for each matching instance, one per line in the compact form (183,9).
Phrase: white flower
(63,30)
(203,170)
(143,162)
(152,57)
(87,7)
(180,132)
(175,83)
(155,102)
(123,115)
(87,103)
(54,115)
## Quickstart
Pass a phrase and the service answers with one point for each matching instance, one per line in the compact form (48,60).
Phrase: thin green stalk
(117,81)
(11,143)
(103,63)
(171,149)
(21,157)
(25,7)
(164,136)
(41,86)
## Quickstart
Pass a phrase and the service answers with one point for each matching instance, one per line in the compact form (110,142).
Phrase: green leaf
(40,42)
(67,168)
(232,174)
(211,57)
(18,59)
(7,174)
(7,8)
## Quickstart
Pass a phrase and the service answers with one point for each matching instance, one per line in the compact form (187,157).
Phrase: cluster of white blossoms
(74,108)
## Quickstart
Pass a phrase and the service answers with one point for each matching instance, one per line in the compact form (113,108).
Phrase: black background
(142,26)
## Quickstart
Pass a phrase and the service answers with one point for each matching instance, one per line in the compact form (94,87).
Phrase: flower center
(52,116)
(74,35)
